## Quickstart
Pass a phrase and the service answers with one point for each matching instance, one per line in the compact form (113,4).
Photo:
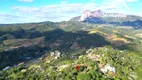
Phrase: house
(95,57)
(20,63)
(89,51)
(56,54)
(52,53)
(6,68)
(107,68)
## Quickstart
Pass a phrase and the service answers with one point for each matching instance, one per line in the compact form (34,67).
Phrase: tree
(83,76)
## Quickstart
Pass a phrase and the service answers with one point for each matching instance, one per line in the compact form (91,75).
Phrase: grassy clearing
(22,41)
(117,38)
(97,31)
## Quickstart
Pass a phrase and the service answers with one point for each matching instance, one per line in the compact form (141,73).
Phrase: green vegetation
(27,48)
(127,65)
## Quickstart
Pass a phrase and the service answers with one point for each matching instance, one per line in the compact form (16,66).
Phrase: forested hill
(47,26)
(53,51)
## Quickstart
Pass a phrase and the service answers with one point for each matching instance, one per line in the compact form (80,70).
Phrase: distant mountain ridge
(100,17)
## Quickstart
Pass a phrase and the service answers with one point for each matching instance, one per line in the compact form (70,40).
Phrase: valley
(102,52)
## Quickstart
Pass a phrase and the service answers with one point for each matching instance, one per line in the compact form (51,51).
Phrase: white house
(52,53)
(56,54)
(6,68)
(107,68)
(89,51)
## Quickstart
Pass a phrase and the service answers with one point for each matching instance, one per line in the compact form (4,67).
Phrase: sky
(26,11)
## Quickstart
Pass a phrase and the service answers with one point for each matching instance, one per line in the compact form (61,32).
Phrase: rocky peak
(97,13)
(85,14)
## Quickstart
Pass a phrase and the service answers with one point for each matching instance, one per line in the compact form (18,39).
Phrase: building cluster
(56,54)
(105,68)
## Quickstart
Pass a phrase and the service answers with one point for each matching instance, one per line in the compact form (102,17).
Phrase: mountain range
(100,17)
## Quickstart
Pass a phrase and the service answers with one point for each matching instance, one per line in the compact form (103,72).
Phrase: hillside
(53,51)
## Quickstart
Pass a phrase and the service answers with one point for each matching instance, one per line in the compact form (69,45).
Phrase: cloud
(63,11)
(26,0)
(7,18)
(56,12)
(131,0)
(115,4)
(26,9)
(64,2)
